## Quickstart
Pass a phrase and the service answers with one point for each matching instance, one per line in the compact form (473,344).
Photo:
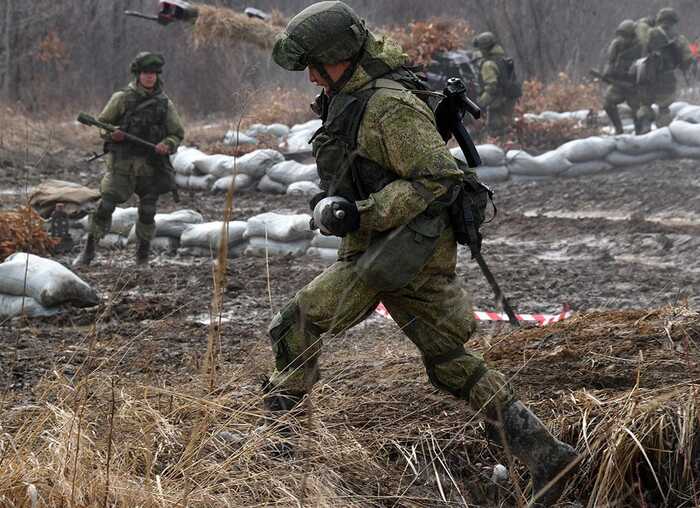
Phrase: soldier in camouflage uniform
(499,91)
(624,50)
(143,110)
(379,149)
(667,50)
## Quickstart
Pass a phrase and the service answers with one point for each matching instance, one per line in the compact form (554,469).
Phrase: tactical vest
(508,84)
(624,60)
(343,170)
(144,117)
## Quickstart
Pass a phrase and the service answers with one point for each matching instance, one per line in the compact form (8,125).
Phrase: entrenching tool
(449,115)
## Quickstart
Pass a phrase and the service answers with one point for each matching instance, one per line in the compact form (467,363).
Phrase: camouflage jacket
(490,78)
(622,53)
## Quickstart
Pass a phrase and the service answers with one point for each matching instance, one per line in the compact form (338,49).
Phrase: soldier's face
(335,71)
(148,79)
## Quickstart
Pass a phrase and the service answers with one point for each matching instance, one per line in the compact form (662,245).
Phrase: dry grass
(563,94)
(23,230)
(374,440)
(218,25)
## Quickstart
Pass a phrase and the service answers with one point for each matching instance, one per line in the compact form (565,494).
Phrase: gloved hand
(162,149)
(336,216)
(118,136)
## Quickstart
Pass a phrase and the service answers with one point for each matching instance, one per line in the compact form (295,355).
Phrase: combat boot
(87,254)
(143,251)
(614,116)
(545,456)
(278,403)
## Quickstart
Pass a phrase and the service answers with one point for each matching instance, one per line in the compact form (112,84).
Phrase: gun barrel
(90,120)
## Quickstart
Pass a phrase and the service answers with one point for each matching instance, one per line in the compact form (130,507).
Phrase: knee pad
(105,208)
(459,383)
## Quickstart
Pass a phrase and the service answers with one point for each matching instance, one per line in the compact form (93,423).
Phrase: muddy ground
(628,240)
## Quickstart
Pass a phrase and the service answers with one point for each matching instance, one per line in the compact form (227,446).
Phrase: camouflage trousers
(500,117)
(434,312)
(616,95)
(663,101)
(120,182)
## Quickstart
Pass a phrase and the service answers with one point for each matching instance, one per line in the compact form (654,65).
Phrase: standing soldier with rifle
(667,51)
(500,88)
(143,111)
(624,50)
(390,188)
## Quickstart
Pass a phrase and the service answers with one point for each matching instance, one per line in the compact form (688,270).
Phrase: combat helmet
(323,33)
(626,29)
(147,62)
(484,41)
(667,16)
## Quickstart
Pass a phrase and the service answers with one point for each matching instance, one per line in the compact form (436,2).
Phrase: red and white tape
(540,319)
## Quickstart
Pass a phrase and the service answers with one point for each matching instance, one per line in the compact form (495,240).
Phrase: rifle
(611,81)
(91,121)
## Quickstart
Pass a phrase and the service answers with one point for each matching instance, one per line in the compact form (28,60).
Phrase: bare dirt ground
(613,247)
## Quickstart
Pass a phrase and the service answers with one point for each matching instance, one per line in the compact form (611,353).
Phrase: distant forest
(55,54)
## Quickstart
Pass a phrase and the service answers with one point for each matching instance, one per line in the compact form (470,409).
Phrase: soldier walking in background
(143,110)
(500,88)
(624,50)
(667,51)
(391,181)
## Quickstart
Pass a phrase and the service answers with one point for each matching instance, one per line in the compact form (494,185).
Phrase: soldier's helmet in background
(667,16)
(626,29)
(147,62)
(484,41)
(323,33)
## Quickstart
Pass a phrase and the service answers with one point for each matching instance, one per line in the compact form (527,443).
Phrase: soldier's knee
(147,211)
(455,372)
(292,334)
(105,208)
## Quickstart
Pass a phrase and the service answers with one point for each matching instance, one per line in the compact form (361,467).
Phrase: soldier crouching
(142,110)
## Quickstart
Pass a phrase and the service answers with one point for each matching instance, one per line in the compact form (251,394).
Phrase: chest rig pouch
(145,118)
(393,258)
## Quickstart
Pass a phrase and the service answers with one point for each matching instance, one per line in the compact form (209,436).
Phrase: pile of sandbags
(278,234)
(324,247)
(236,138)
(35,286)
(123,220)
(297,142)
(169,228)
(276,130)
(205,239)
(282,175)
(77,200)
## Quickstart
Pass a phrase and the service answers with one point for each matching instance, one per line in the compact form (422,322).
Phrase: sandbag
(685,152)
(165,244)
(123,219)
(492,174)
(234,137)
(193,182)
(48,282)
(690,114)
(172,224)
(490,155)
(654,141)
(299,137)
(326,255)
(549,164)
(208,235)
(277,130)
(303,189)
(12,305)
(588,168)
(325,242)
(183,161)
(256,163)
(588,149)
(288,172)
(259,247)
(677,107)
(77,200)
(620,159)
(685,133)
(282,228)
(267,184)
(243,182)
(234,251)
(112,241)
(217,165)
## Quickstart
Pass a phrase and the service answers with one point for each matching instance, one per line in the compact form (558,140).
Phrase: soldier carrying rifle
(141,110)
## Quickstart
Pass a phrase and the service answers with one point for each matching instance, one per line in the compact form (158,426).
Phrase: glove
(336,216)
(118,136)
(162,149)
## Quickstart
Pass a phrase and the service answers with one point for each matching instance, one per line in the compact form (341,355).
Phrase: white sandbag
(288,172)
(549,164)
(242,182)
(588,168)
(588,149)
(217,165)
(282,228)
(619,159)
(123,219)
(490,155)
(277,130)
(193,182)
(234,137)
(48,282)
(234,251)
(165,244)
(654,141)
(689,113)
(685,133)
(184,159)
(303,189)
(113,241)
(257,162)
(12,305)
(299,136)
(326,255)
(325,242)
(492,174)
(172,224)
(259,247)
(685,152)
(267,184)
(314,124)
(677,106)
(209,234)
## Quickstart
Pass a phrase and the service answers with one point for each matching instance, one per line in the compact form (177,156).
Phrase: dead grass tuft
(22,230)
(218,25)
(563,94)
